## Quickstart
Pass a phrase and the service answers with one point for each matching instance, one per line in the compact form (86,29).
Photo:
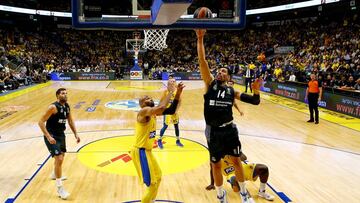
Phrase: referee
(313,95)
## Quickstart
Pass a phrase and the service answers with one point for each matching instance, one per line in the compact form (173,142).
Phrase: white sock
(219,190)
(242,187)
(58,182)
(262,187)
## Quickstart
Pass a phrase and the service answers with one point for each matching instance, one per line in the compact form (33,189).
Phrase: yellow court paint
(340,119)
(354,126)
(332,116)
(111,155)
(23,91)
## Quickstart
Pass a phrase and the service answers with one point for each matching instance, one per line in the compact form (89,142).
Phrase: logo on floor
(127,105)
(112,155)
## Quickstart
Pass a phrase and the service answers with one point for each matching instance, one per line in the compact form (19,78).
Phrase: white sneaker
(251,200)
(53,177)
(63,194)
(245,198)
(266,196)
(223,198)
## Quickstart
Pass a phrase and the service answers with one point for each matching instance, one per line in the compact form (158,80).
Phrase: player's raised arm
(204,66)
(172,108)
(149,109)
(251,99)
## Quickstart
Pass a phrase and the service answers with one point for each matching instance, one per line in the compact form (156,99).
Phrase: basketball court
(308,163)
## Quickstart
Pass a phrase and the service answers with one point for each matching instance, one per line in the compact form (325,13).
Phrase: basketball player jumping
(221,132)
(145,163)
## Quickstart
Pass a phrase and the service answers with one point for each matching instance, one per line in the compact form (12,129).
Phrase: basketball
(261,57)
(203,12)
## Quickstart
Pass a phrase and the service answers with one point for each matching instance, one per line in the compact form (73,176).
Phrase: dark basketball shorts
(223,141)
(58,148)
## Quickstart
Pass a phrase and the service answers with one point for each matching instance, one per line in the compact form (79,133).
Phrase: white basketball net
(155,39)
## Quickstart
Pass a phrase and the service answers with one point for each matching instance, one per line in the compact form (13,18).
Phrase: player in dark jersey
(55,117)
(221,132)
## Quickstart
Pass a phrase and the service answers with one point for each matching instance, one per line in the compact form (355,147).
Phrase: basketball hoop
(155,39)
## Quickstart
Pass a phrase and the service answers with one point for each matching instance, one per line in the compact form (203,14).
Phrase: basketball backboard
(135,15)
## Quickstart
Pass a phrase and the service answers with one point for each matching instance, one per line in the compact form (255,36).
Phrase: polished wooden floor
(308,162)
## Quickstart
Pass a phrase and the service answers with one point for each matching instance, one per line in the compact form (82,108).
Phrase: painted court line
(21,92)
(10,200)
(281,195)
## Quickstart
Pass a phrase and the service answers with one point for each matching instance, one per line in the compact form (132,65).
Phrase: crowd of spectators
(332,50)
(36,54)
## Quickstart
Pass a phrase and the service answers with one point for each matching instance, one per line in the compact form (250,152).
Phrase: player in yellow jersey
(145,163)
(251,172)
(170,119)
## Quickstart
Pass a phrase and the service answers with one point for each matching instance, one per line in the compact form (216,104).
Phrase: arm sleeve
(172,108)
(251,99)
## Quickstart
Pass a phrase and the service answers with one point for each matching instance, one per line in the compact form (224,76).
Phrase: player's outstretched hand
(256,85)
(180,87)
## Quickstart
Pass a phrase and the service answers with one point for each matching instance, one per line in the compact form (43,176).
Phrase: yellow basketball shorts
(146,166)
(171,119)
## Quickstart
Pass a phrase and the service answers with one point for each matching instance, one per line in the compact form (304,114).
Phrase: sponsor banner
(95,76)
(136,75)
(285,90)
(340,103)
(182,75)
(60,76)
(83,76)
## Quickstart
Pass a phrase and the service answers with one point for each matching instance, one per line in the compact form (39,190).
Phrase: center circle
(111,155)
